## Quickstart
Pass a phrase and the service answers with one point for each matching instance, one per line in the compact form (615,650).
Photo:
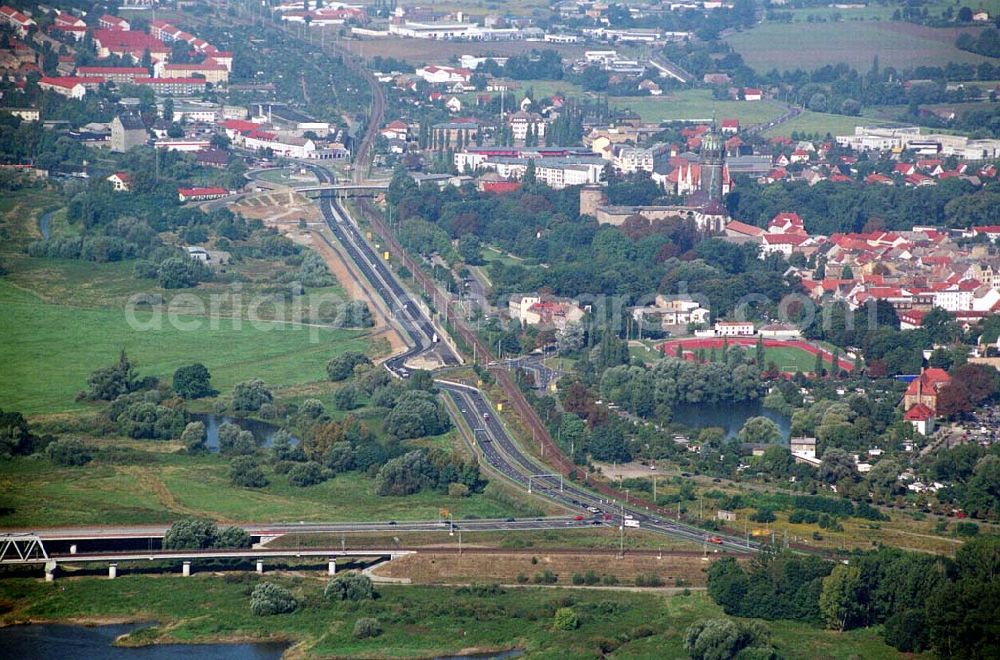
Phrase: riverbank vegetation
(631,625)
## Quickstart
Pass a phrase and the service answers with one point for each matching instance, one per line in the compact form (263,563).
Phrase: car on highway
(714,539)
(577,517)
(486,416)
(511,520)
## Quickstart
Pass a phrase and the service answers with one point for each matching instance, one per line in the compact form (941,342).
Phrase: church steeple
(712,156)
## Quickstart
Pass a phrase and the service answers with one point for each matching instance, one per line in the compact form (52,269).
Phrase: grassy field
(696,104)
(161,487)
(821,123)
(807,46)
(50,349)
(66,318)
(416,621)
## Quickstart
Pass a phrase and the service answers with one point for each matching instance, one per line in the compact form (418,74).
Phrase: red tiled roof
(501,187)
(69,82)
(239,125)
(929,381)
(743,228)
(129,40)
(919,413)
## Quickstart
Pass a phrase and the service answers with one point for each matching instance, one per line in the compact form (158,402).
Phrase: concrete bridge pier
(186,570)
(50,571)
(260,566)
(331,566)
(112,571)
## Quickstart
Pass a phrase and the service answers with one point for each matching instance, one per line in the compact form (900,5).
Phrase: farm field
(505,618)
(812,45)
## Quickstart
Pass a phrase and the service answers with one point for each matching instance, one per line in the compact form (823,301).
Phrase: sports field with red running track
(685,348)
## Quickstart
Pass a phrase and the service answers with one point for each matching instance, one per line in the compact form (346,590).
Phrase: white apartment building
(734,328)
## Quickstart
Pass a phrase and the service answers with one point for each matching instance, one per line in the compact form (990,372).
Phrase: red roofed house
(786,223)
(70,86)
(921,417)
(200,194)
(878,178)
(16,20)
(799,156)
(396,130)
(444,74)
(130,42)
(992,232)
(70,24)
(925,387)
(122,181)
(730,125)
(918,179)
(109,22)
(752,94)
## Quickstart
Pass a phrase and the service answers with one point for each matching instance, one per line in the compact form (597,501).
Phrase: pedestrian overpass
(343,190)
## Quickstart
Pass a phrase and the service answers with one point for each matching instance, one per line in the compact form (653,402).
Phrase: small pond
(263,432)
(729,416)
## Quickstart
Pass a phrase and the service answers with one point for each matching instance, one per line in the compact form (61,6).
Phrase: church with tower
(701,179)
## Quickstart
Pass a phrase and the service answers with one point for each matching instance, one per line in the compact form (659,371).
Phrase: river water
(72,642)
(729,416)
(262,431)
(67,642)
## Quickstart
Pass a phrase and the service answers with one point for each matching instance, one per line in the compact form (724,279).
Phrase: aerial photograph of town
(469,329)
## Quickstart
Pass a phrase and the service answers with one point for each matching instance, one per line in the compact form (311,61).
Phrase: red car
(578,518)
(714,539)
